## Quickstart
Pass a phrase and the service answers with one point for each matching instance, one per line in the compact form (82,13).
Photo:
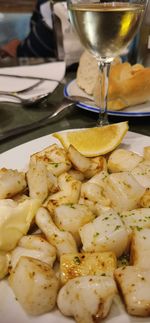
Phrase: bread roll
(87,73)
(128,85)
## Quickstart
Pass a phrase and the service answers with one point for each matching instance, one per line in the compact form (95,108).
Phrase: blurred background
(14,19)
(15,24)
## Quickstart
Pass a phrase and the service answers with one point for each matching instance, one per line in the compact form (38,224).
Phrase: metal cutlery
(65,104)
(31,77)
(29,101)
(26,101)
(27,89)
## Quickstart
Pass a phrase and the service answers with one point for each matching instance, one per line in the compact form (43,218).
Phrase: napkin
(56,16)
(52,72)
(72,46)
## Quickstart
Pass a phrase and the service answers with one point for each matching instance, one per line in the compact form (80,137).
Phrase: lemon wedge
(92,142)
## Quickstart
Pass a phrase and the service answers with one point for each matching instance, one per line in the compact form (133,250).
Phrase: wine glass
(106,29)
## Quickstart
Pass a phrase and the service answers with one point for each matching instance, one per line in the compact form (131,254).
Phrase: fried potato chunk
(145,199)
(35,285)
(142,174)
(93,189)
(98,164)
(122,160)
(88,166)
(147,153)
(84,264)
(140,251)
(62,240)
(106,233)
(123,191)
(69,192)
(87,298)
(76,174)
(55,159)
(34,246)
(37,179)
(4,264)
(12,182)
(71,217)
(94,193)
(134,284)
(79,161)
(136,219)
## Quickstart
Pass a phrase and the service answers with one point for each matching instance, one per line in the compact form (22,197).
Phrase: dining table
(11,6)
(15,155)
(14,115)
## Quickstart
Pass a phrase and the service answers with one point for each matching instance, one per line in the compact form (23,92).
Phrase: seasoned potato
(55,159)
(63,241)
(35,285)
(88,166)
(142,174)
(90,204)
(76,174)
(98,164)
(94,193)
(34,246)
(87,298)
(145,199)
(4,264)
(99,178)
(134,284)
(52,182)
(51,153)
(84,264)
(147,153)
(123,191)
(58,168)
(71,217)
(37,179)
(136,219)
(12,182)
(79,161)
(93,189)
(69,192)
(122,160)
(140,250)
(67,183)
(105,233)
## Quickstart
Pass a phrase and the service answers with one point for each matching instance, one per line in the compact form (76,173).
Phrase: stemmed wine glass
(106,29)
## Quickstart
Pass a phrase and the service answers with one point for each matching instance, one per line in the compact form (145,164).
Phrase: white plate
(141,110)
(10,310)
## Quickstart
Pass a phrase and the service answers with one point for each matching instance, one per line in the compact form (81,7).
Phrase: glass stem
(104,68)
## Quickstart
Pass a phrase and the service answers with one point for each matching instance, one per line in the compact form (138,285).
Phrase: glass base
(102,120)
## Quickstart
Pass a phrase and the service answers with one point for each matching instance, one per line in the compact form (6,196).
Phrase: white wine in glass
(105,29)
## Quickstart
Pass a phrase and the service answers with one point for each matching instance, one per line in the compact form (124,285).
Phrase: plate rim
(41,138)
(96,110)
(48,136)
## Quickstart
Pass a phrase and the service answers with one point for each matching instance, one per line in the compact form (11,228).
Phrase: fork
(15,93)
(68,102)
(30,77)
(29,101)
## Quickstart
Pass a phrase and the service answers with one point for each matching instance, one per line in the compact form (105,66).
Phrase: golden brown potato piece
(83,264)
